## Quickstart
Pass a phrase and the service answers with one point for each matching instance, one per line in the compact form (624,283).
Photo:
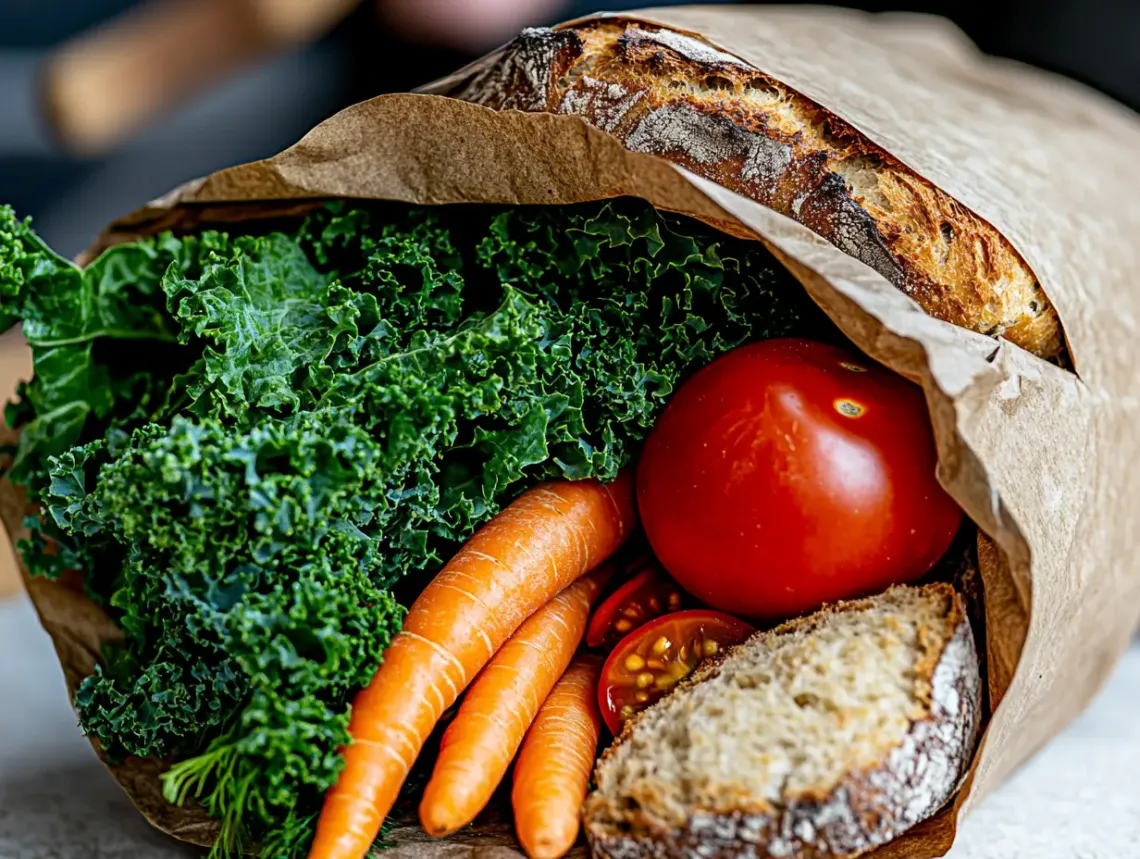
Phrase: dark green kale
(245,442)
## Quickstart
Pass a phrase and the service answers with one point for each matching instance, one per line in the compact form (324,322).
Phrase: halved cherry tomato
(649,594)
(649,661)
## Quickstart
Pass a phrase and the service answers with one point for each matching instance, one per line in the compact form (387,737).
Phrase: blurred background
(107,103)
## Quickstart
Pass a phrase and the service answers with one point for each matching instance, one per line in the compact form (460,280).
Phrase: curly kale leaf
(647,299)
(66,314)
(249,605)
(245,442)
(264,311)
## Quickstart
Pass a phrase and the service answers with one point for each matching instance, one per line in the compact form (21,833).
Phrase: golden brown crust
(673,96)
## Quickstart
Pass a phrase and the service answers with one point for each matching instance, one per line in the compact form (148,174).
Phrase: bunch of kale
(244,441)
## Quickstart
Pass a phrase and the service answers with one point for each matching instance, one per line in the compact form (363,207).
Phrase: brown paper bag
(1038,456)
(15,366)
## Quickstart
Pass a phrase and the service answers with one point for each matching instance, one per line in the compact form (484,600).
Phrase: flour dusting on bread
(689,47)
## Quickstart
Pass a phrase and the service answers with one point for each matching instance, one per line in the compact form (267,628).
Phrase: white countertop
(1078,799)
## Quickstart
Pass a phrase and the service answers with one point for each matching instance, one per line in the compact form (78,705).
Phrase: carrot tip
(549,845)
(439,822)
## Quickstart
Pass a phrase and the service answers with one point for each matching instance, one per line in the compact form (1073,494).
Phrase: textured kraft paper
(15,366)
(1040,459)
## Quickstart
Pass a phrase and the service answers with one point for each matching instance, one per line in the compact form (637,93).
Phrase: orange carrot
(548,538)
(553,771)
(480,744)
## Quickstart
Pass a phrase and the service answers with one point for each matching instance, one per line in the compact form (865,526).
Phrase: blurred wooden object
(15,365)
(111,82)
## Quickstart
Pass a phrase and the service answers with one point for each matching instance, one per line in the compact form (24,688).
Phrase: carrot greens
(245,441)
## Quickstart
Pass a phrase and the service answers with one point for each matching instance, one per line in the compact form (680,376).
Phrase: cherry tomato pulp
(790,473)
(650,661)
(649,594)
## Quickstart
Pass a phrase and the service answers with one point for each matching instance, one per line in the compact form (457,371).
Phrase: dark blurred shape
(250,116)
(476,26)
(472,26)
(106,84)
(45,23)
(257,86)
(1094,41)
(274,90)
(399,58)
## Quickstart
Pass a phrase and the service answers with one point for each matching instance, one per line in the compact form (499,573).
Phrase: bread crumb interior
(787,715)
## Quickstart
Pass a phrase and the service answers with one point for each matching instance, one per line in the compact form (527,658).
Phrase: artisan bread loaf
(822,738)
(675,96)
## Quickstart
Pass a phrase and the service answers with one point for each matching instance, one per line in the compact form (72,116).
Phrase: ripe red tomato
(790,473)
(649,594)
(650,661)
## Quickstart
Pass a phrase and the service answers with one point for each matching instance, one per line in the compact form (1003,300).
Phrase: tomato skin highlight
(790,473)
(648,662)
(648,594)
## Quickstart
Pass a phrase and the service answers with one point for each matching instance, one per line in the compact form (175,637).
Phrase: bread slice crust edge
(864,810)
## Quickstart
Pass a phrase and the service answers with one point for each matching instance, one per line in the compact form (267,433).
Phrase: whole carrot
(548,538)
(501,704)
(553,771)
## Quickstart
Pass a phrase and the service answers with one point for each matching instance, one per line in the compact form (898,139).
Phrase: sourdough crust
(865,810)
(674,96)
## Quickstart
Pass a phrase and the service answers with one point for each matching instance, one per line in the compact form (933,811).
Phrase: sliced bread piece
(822,738)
